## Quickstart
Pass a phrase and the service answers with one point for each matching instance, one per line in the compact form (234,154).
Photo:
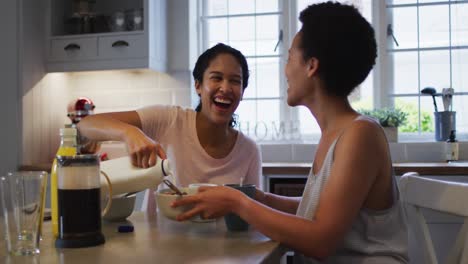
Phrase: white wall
(45,105)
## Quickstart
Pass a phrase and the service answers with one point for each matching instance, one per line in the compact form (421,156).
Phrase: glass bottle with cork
(451,147)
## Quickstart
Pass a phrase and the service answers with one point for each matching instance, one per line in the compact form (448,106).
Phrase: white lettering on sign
(263,131)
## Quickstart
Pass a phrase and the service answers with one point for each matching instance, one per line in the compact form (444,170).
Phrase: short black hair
(203,62)
(343,42)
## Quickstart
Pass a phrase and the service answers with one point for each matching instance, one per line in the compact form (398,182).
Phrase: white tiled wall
(45,105)
(401,152)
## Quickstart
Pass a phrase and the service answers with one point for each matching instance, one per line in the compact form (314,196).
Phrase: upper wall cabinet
(86,35)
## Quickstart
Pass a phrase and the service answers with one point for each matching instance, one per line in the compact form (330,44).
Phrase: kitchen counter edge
(423,168)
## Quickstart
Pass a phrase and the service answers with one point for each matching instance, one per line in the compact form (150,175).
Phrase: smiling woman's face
(221,89)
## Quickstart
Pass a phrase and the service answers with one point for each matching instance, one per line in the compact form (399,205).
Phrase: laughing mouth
(221,102)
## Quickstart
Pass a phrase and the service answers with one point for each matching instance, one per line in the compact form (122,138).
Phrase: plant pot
(391,133)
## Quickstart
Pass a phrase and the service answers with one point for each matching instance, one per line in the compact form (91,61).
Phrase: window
(428,47)
(432,51)
(253,27)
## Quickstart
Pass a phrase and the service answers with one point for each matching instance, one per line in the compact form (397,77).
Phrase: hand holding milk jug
(126,178)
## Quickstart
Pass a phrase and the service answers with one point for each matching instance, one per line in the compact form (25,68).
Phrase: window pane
(410,105)
(433,26)
(267,32)
(460,106)
(236,7)
(405,28)
(263,6)
(264,78)
(242,34)
(435,69)
(241,6)
(429,1)
(268,111)
(215,7)
(216,31)
(460,70)
(260,120)
(364,6)
(405,72)
(247,112)
(399,2)
(459,24)
(251,90)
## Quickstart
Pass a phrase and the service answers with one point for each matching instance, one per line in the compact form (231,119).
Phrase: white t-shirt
(174,128)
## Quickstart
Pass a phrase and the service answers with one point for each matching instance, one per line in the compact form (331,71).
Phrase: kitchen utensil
(447,94)
(80,108)
(444,122)
(173,187)
(79,202)
(431,91)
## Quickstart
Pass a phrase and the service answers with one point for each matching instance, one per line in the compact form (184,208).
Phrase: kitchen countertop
(423,168)
(157,239)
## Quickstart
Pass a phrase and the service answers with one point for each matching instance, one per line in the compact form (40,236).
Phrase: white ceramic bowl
(194,188)
(121,208)
(164,199)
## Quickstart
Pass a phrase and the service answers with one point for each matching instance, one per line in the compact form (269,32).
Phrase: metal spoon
(173,187)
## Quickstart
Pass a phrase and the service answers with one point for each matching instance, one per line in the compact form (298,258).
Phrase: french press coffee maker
(79,201)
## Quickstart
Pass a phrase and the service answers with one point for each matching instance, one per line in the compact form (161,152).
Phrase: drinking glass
(22,198)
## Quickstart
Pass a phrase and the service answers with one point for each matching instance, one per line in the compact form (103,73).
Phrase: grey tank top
(374,237)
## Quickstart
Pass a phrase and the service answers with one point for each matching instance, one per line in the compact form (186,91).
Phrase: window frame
(286,10)
(382,17)
(383,82)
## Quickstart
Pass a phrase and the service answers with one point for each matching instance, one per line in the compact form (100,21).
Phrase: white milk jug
(126,178)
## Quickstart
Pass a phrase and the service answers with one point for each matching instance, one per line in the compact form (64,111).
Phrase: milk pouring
(126,178)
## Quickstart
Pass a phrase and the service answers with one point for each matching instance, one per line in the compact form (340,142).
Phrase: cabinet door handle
(72,46)
(120,43)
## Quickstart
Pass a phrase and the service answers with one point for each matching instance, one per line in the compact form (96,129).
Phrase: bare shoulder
(364,128)
(363,137)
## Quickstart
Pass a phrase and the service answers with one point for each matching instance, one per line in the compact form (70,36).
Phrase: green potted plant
(389,118)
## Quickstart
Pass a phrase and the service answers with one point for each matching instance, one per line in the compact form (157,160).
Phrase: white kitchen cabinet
(107,50)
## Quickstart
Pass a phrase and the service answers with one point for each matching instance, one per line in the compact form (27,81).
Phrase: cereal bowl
(121,208)
(164,199)
(194,188)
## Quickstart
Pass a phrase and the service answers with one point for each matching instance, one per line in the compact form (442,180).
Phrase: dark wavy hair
(343,42)
(203,62)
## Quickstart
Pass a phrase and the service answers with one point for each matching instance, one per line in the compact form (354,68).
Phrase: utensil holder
(444,122)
